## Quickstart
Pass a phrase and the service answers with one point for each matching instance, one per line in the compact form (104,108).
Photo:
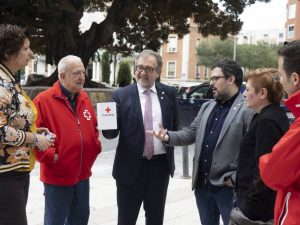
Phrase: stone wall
(96,94)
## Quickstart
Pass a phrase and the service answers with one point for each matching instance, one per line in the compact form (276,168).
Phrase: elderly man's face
(74,76)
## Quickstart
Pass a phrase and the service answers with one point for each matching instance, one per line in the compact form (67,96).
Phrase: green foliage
(210,52)
(137,25)
(248,56)
(124,74)
(105,67)
(257,56)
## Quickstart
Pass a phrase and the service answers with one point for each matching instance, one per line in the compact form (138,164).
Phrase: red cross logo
(107,109)
(87,114)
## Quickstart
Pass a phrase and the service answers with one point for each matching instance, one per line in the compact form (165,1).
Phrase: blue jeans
(67,205)
(213,203)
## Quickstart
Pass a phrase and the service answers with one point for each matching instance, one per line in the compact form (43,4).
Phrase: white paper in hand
(107,115)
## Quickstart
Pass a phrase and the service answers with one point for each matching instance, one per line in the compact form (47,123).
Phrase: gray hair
(63,63)
(148,52)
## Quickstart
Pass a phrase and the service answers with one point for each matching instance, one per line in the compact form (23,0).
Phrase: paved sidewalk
(180,209)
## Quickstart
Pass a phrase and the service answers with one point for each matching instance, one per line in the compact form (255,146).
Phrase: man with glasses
(143,165)
(66,110)
(217,132)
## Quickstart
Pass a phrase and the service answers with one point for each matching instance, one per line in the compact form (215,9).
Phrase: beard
(221,97)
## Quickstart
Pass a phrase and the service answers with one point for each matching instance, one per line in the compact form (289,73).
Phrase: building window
(290,31)
(172,45)
(292,11)
(171,69)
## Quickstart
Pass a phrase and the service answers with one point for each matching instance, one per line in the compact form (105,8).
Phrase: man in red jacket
(280,169)
(66,110)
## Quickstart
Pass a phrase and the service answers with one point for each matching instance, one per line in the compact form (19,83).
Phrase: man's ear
(295,79)
(231,79)
(62,75)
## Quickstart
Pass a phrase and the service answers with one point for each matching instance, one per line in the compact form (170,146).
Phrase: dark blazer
(131,131)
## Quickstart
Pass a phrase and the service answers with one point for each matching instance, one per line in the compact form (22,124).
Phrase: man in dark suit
(143,165)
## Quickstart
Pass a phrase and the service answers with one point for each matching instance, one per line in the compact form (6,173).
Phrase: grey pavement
(180,209)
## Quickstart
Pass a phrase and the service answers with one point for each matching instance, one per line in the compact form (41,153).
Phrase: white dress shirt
(159,148)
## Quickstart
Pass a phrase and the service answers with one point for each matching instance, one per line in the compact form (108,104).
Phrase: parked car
(190,103)
(186,87)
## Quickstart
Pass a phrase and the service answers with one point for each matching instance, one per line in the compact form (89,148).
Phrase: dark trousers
(150,188)
(13,200)
(213,203)
(67,205)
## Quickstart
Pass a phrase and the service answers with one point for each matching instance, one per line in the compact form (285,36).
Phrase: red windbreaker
(77,143)
(280,170)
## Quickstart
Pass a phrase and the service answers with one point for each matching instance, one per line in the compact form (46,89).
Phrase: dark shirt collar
(71,98)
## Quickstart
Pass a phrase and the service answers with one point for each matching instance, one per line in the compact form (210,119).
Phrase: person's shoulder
(45,94)
(165,87)
(125,90)
(162,85)
(273,112)
(83,94)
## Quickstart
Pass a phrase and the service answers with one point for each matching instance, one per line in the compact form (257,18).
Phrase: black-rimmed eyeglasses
(215,78)
(147,69)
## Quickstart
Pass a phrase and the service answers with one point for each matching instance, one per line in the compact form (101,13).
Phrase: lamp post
(234,47)
(115,65)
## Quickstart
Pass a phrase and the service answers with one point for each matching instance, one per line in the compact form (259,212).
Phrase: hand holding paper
(107,115)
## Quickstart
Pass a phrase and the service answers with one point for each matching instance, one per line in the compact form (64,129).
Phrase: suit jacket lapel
(202,122)
(162,97)
(237,104)
(163,101)
(135,96)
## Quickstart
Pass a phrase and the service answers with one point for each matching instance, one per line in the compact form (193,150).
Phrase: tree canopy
(137,24)
(248,56)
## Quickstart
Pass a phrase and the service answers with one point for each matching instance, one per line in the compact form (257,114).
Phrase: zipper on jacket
(81,144)
(285,209)
(79,129)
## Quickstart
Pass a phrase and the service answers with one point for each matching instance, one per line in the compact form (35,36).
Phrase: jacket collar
(57,92)
(293,103)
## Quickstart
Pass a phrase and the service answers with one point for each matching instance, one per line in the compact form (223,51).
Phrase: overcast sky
(261,16)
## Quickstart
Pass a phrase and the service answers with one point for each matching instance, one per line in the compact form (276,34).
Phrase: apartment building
(270,36)
(180,58)
(293,20)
